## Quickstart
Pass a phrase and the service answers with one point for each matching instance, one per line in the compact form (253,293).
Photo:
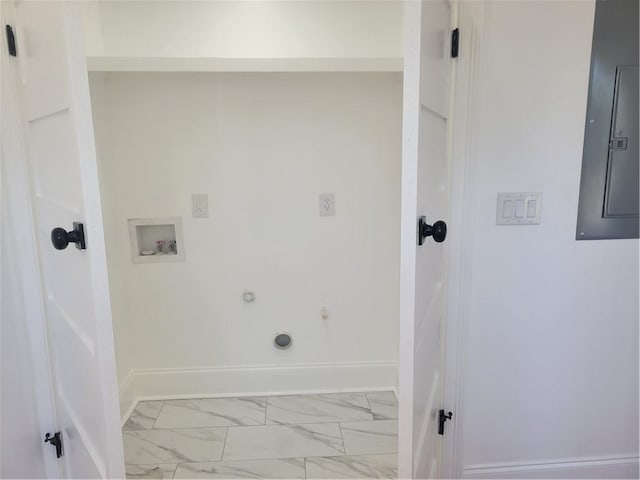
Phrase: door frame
(14,166)
(467,86)
(463,161)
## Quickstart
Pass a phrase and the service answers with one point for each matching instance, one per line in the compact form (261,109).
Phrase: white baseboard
(588,467)
(167,383)
(128,398)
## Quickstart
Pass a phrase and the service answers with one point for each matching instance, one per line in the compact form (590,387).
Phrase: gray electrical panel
(609,185)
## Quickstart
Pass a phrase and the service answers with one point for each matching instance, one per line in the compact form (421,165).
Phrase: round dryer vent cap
(282,341)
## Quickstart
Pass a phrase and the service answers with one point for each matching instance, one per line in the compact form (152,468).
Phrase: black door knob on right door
(60,238)
(438,231)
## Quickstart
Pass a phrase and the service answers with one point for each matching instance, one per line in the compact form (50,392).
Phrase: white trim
(610,466)
(408,215)
(471,21)
(210,64)
(254,380)
(128,398)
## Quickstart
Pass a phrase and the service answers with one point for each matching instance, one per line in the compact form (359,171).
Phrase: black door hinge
(442,417)
(11,41)
(455,42)
(56,441)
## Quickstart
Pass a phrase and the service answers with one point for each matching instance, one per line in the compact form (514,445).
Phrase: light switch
(518,208)
(507,209)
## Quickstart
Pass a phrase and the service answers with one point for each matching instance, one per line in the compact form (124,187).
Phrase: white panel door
(54,96)
(425,175)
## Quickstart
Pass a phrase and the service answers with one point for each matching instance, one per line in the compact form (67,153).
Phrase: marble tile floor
(327,436)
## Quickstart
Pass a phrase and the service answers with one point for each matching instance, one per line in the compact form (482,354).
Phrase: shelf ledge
(209,64)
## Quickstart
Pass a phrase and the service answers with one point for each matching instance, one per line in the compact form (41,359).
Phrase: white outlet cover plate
(200,205)
(519,208)
(327,205)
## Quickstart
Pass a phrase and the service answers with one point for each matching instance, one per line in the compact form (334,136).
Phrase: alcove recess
(145,233)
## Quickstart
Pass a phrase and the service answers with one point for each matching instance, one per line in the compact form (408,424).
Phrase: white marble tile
(338,407)
(283,441)
(144,415)
(159,470)
(271,468)
(173,446)
(360,466)
(384,405)
(212,412)
(361,438)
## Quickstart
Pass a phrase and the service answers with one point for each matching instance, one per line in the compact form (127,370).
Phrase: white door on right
(425,207)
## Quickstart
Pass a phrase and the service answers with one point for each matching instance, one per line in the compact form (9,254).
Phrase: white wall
(122,326)
(552,358)
(263,147)
(241,30)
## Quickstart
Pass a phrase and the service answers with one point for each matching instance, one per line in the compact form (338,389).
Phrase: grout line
(266,405)
(195,428)
(366,395)
(342,420)
(359,455)
(351,456)
(153,427)
(344,449)
(268,425)
(250,426)
(224,445)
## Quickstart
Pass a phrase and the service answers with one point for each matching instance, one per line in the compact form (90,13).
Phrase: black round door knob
(438,231)
(61,239)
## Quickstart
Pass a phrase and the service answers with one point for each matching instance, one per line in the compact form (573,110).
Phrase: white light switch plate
(200,205)
(519,208)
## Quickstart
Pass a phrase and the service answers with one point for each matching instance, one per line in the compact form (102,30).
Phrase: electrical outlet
(200,205)
(327,205)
